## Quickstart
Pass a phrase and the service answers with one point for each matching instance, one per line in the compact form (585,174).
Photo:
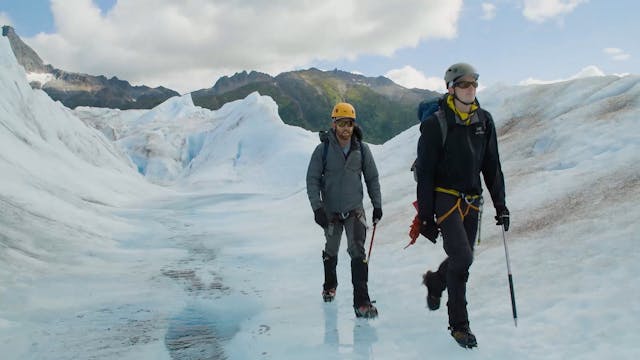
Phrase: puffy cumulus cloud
(5,19)
(616,54)
(488,11)
(188,45)
(410,78)
(543,10)
(588,71)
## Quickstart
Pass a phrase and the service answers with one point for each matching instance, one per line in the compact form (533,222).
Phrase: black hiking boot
(330,277)
(433,295)
(367,311)
(464,337)
(362,304)
(328,295)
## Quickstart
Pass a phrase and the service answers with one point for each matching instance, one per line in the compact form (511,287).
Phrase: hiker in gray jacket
(334,187)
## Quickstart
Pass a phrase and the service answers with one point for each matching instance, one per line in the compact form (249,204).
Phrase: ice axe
(513,297)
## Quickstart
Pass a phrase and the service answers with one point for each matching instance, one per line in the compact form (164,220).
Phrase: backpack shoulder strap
(482,115)
(444,124)
(325,150)
(361,156)
(444,128)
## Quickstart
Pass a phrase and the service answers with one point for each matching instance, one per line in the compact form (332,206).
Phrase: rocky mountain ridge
(76,89)
(304,97)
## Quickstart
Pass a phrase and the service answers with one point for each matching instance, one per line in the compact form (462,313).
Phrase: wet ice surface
(233,276)
(199,329)
(158,295)
(193,335)
(103,333)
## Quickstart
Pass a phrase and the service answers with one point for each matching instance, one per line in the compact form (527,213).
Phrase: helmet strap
(455,96)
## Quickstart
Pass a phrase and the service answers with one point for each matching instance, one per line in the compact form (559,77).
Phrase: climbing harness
(468,199)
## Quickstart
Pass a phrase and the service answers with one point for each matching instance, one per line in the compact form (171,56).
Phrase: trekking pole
(371,244)
(513,298)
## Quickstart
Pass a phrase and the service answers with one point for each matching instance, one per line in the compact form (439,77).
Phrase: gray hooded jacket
(340,190)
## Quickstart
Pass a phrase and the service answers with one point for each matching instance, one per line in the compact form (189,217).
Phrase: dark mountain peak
(25,55)
(238,80)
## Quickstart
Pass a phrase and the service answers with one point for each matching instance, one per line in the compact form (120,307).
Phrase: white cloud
(410,78)
(187,45)
(542,10)
(5,19)
(588,71)
(616,54)
(488,11)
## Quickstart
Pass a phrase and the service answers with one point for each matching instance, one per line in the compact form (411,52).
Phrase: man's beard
(344,134)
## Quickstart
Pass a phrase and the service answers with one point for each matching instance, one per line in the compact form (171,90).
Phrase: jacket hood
(357,133)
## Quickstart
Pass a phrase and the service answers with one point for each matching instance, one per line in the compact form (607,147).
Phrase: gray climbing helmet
(457,71)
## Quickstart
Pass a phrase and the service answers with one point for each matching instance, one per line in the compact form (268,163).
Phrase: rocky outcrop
(226,84)
(25,55)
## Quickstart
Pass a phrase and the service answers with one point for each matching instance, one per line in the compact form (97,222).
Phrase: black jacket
(468,151)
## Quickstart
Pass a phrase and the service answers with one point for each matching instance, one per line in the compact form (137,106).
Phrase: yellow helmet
(343,110)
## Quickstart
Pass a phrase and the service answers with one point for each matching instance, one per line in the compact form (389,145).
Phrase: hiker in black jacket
(449,190)
(334,187)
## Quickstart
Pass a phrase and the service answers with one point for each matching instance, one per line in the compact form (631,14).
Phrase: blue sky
(187,46)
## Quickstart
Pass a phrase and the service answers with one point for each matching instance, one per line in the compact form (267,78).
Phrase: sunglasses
(343,123)
(465,84)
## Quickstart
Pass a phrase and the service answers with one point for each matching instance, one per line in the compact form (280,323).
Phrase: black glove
(502,217)
(320,217)
(430,230)
(377,215)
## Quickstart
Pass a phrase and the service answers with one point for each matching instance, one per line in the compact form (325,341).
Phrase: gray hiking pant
(355,226)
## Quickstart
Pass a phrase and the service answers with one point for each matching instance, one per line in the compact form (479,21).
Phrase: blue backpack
(426,109)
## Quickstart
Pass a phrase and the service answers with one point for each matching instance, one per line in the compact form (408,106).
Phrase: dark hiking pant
(459,236)
(355,227)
